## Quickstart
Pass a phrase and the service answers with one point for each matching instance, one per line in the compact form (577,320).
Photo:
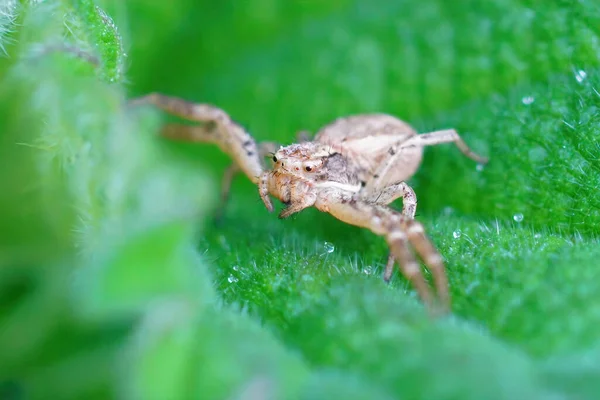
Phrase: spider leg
(405,157)
(264,149)
(432,258)
(396,167)
(217,128)
(389,268)
(444,136)
(409,209)
(297,206)
(263,189)
(203,133)
(226,181)
(393,192)
(400,232)
(400,249)
(300,197)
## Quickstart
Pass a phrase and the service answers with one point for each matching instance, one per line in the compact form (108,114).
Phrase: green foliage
(8,15)
(115,282)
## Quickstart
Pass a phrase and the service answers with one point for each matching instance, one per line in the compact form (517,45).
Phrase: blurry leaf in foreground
(152,265)
(326,384)
(180,354)
(393,343)
(575,374)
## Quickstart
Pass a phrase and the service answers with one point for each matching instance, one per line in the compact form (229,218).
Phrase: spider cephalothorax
(352,169)
(301,169)
(317,163)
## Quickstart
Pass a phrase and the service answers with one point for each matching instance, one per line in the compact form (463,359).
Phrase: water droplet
(518,217)
(456,234)
(479,167)
(580,75)
(232,279)
(329,248)
(368,270)
(527,100)
(236,268)
(537,235)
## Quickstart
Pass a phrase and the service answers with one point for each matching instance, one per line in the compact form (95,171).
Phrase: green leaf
(211,356)
(355,328)
(575,374)
(543,150)
(328,384)
(145,267)
(108,289)
(106,37)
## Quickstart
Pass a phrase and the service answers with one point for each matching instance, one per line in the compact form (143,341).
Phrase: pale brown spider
(352,169)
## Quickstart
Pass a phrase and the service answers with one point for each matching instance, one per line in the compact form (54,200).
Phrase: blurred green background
(116,283)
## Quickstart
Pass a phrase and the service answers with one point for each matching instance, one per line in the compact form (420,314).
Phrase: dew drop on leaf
(479,167)
(236,268)
(456,234)
(232,279)
(329,248)
(368,270)
(527,100)
(580,75)
(518,217)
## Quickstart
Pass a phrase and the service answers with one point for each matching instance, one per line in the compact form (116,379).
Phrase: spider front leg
(217,128)
(298,205)
(295,194)
(264,149)
(226,183)
(400,233)
(394,192)
(409,209)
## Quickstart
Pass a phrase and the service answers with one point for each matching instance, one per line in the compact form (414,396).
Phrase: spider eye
(308,169)
(274,159)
